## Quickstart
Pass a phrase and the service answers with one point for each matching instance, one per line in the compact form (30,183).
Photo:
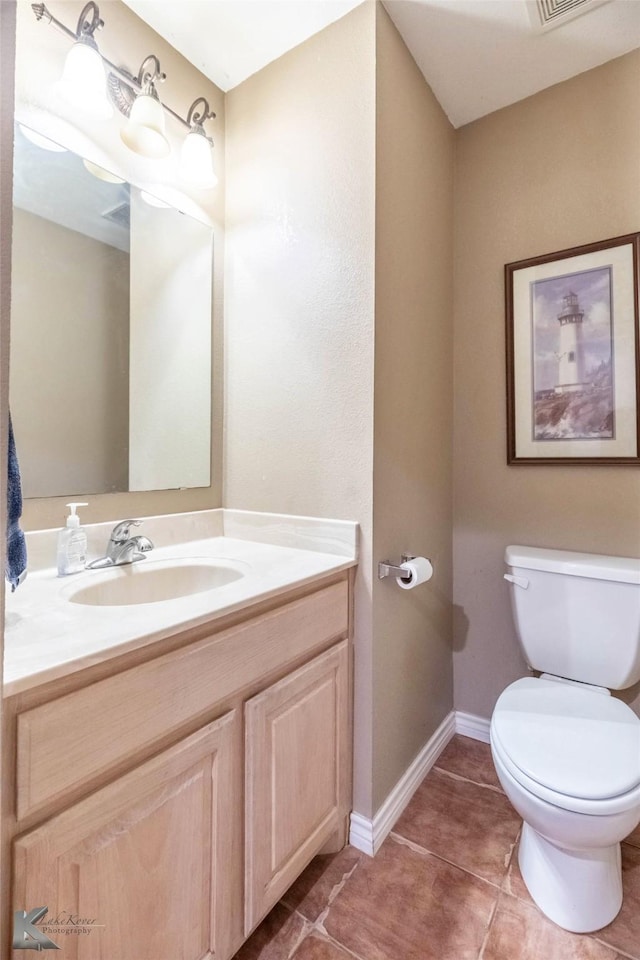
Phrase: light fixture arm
(197,118)
(146,78)
(41,13)
(87,27)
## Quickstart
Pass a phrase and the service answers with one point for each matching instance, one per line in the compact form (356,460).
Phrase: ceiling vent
(120,215)
(547,14)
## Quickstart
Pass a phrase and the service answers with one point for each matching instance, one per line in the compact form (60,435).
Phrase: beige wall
(299,291)
(127,40)
(69,360)
(340,176)
(412,468)
(559,169)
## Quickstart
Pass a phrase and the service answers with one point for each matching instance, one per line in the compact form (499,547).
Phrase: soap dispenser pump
(72,544)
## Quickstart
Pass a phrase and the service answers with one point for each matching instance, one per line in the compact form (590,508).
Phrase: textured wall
(412,474)
(304,137)
(559,169)
(299,295)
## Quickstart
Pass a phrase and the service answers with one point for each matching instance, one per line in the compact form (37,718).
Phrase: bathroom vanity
(165,791)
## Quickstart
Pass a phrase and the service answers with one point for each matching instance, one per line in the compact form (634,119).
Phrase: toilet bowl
(569,851)
(566,752)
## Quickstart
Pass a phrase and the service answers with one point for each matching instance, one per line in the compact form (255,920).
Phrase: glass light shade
(196,160)
(83,83)
(153,201)
(144,130)
(101,173)
(41,141)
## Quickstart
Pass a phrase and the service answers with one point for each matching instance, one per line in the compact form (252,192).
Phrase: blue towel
(16,568)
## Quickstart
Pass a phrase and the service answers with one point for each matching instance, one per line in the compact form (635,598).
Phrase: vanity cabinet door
(296,775)
(149,862)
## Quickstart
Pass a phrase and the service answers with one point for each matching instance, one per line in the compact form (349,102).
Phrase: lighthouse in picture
(571,353)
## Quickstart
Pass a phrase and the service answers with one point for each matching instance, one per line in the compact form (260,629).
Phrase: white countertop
(47,636)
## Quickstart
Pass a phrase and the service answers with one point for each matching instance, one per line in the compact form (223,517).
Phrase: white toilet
(568,753)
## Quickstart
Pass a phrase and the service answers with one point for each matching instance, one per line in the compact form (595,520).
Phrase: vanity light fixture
(40,140)
(83,81)
(101,173)
(154,201)
(144,130)
(196,157)
(135,96)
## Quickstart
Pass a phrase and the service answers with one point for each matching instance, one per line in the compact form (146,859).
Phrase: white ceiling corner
(477,55)
(481,55)
(229,40)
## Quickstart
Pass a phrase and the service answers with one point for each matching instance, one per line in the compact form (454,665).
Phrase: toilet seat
(572,747)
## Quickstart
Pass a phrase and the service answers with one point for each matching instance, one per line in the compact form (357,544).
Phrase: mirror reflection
(110,384)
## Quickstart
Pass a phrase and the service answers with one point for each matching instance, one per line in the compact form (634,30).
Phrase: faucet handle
(121,531)
(143,544)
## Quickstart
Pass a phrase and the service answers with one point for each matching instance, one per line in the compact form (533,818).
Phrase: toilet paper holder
(388,569)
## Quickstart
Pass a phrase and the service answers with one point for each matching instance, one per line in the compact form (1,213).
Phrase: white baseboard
(361,833)
(469,725)
(368,835)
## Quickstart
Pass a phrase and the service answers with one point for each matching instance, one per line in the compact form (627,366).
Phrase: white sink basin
(154,581)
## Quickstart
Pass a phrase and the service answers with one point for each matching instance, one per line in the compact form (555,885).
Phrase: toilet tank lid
(590,565)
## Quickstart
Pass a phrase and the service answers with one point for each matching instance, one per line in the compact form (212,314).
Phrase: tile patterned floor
(445,885)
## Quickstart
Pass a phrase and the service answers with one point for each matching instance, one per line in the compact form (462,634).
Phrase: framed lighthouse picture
(573,355)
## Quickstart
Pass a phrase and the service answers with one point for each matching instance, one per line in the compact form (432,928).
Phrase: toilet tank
(577,615)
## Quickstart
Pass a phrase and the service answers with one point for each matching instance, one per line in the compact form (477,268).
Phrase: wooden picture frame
(573,355)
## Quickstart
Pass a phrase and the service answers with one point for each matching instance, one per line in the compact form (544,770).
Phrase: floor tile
(471,759)
(312,891)
(520,932)
(445,886)
(404,905)
(276,938)
(513,883)
(466,824)
(315,947)
(624,932)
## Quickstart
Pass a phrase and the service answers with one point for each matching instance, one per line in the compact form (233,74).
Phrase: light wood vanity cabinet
(145,857)
(174,799)
(297,775)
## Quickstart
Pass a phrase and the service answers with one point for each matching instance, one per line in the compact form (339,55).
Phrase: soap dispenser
(72,544)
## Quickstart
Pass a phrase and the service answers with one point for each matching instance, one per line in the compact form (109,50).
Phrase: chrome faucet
(122,547)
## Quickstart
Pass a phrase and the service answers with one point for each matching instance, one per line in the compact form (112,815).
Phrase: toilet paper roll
(419,570)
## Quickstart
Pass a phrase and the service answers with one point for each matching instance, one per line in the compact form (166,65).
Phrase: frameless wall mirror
(110,385)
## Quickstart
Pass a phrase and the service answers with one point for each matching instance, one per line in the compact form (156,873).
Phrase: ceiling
(477,55)
(229,40)
(480,55)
